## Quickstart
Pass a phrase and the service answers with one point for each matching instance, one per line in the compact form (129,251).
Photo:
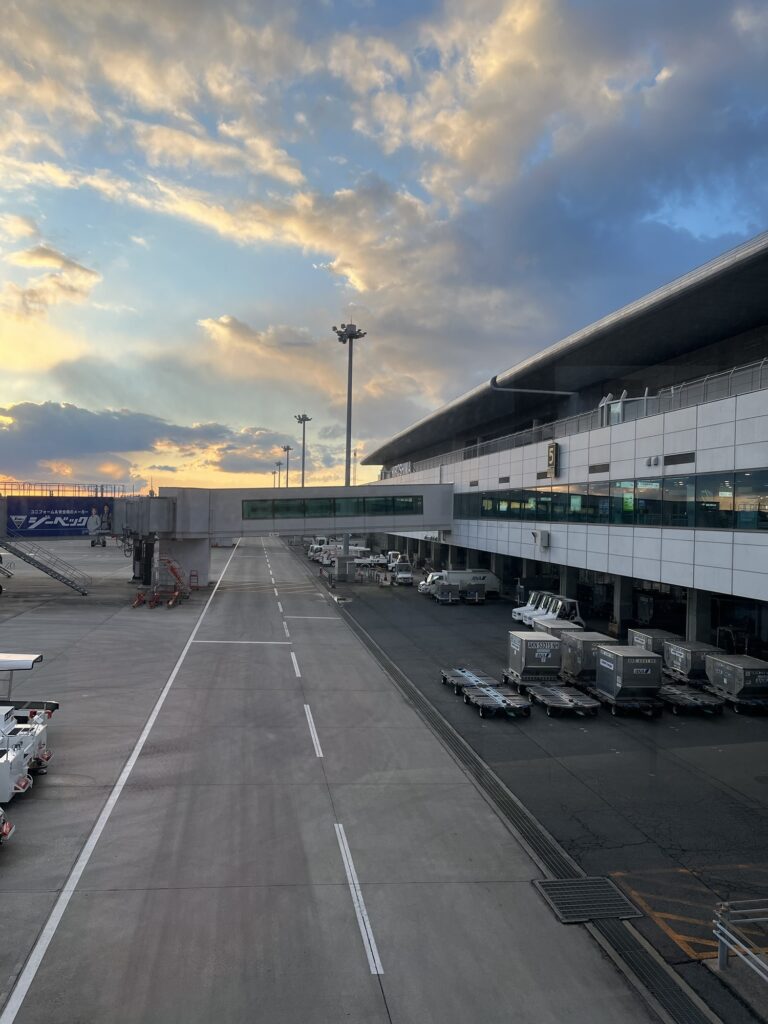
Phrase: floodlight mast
(287,449)
(303,419)
(278,466)
(348,333)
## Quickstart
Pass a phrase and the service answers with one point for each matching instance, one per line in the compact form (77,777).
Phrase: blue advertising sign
(59,517)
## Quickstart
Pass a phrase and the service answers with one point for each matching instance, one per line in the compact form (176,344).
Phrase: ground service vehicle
(402,574)
(560,608)
(543,607)
(535,599)
(464,578)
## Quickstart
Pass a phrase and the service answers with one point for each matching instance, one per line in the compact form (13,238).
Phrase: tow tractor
(23,736)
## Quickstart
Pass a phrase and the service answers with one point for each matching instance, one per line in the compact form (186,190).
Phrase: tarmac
(245,819)
(674,810)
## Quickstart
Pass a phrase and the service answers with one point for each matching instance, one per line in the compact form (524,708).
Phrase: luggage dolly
(739,704)
(675,676)
(650,706)
(458,678)
(490,700)
(679,698)
(557,699)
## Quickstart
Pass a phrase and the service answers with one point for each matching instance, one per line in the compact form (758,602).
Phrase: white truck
(463,579)
(540,609)
(402,574)
(565,608)
(535,599)
(23,746)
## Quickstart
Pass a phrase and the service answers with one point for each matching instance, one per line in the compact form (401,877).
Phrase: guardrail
(739,381)
(737,926)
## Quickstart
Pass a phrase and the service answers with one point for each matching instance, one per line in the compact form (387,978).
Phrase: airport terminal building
(628,462)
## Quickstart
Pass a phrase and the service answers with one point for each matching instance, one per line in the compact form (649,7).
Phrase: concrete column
(569,580)
(698,618)
(622,605)
(192,556)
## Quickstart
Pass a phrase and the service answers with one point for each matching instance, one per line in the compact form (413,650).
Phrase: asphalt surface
(674,809)
(288,842)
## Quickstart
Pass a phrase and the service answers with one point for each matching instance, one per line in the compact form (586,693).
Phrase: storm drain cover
(585,899)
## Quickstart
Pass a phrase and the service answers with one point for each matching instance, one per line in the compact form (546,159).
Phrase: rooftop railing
(712,388)
(37,489)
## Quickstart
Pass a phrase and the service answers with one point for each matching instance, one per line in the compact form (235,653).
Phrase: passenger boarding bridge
(187,520)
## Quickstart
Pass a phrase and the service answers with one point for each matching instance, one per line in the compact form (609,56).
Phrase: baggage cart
(474,593)
(651,639)
(563,700)
(578,653)
(447,593)
(650,706)
(532,657)
(627,679)
(679,698)
(458,678)
(684,660)
(740,680)
(559,627)
(492,700)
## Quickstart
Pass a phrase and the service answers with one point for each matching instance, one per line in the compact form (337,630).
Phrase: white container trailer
(467,579)
(532,657)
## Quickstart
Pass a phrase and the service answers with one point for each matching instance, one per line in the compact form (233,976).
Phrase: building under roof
(711,318)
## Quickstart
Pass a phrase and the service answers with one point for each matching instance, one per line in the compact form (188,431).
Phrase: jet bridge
(187,520)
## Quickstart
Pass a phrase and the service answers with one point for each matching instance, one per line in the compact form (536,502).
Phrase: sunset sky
(193,192)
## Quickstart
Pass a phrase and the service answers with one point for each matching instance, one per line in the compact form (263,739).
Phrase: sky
(192,193)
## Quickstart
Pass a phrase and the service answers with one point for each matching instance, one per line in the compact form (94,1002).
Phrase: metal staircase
(45,560)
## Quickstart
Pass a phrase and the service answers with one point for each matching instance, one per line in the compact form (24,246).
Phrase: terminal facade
(628,463)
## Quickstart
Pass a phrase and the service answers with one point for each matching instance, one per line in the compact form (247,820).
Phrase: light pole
(287,449)
(303,419)
(274,474)
(279,466)
(349,333)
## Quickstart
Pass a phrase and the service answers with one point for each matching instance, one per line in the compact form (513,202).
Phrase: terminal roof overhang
(723,298)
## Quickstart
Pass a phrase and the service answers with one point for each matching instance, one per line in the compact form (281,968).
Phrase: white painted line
(238,641)
(357,899)
(333,618)
(44,939)
(280,607)
(298,676)
(285,627)
(313,731)
(276,594)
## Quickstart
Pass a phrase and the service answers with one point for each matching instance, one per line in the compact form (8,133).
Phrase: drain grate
(576,900)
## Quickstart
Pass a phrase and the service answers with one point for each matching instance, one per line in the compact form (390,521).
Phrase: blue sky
(191,194)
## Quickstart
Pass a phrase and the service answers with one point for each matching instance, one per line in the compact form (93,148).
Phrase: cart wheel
(456,691)
(466,699)
(443,679)
(481,712)
(614,710)
(549,711)
(675,709)
(735,708)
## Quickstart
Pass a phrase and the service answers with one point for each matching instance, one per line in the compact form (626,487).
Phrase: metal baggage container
(626,673)
(685,658)
(533,656)
(559,627)
(578,653)
(737,675)
(651,639)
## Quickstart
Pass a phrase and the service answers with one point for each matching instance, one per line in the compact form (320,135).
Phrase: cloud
(138,240)
(15,226)
(71,282)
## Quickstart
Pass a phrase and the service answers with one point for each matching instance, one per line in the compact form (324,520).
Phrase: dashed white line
(285,627)
(333,618)
(275,589)
(45,937)
(363,921)
(239,642)
(280,607)
(298,676)
(313,731)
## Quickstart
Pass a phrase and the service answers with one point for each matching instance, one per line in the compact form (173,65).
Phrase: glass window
(560,503)
(503,505)
(289,508)
(752,500)
(599,501)
(623,502)
(515,504)
(486,505)
(714,501)
(528,504)
(349,506)
(678,506)
(544,504)
(318,507)
(578,502)
(260,508)
(648,502)
(378,506)
(412,505)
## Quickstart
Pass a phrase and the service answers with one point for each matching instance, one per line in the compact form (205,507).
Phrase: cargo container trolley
(487,694)
(739,680)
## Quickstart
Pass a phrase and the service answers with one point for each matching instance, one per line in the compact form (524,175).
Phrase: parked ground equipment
(628,679)
(540,609)
(684,660)
(402,574)
(562,700)
(447,593)
(532,658)
(561,608)
(486,694)
(474,594)
(535,599)
(23,750)
(579,652)
(6,827)
(742,681)
(559,627)
(651,639)
(679,698)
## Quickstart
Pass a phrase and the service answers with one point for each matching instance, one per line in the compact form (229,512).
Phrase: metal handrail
(731,922)
(43,556)
(670,399)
